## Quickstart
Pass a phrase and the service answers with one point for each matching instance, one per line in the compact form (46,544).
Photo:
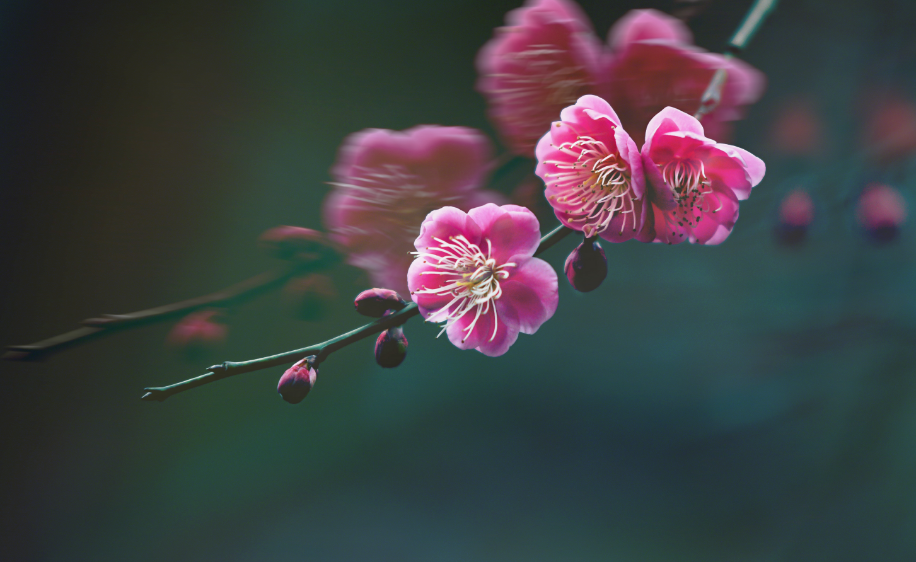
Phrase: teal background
(735,403)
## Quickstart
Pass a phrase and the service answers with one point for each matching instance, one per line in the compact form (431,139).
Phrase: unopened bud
(298,380)
(796,213)
(586,266)
(376,302)
(881,212)
(391,348)
(295,242)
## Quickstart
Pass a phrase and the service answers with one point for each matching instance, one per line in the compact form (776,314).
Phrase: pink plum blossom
(543,60)
(477,273)
(796,213)
(653,64)
(198,329)
(695,183)
(387,182)
(593,172)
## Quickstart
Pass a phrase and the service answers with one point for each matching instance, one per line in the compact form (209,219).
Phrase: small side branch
(321,350)
(109,323)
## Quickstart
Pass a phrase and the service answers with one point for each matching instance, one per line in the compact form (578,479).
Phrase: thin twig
(322,350)
(109,323)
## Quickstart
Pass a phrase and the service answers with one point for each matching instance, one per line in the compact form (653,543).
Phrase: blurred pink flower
(543,60)
(890,126)
(593,172)
(796,213)
(695,183)
(653,64)
(797,129)
(386,182)
(476,272)
(881,211)
(197,330)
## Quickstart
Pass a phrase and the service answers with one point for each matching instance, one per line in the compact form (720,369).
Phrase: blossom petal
(421,276)
(669,120)
(445,222)
(506,333)
(511,230)
(643,25)
(753,166)
(532,291)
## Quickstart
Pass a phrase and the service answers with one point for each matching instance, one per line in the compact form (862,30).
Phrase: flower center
(596,185)
(691,188)
(472,280)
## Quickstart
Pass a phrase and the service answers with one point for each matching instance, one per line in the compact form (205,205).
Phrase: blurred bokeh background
(747,402)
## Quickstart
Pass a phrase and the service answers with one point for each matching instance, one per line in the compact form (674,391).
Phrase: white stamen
(474,283)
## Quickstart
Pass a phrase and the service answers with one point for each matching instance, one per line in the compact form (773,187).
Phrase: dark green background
(733,403)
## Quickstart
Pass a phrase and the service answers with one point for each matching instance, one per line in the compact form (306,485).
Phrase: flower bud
(796,213)
(880,212)
(298,380)
(586,266)
(294,242)
(391,348)
(376,302)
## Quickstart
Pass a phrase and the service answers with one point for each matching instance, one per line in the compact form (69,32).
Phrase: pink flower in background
(881,211)
(476,272)
(198,329)
(543,60)
(593,172)
(796,213)
(386,182)
(796,129)
(653,64)
(695,183)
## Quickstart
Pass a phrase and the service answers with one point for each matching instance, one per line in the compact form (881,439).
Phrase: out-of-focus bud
(308,295)
(881,212)
(298,380)
(295,242)
(586,266)
(796,213)
(797,129)
(198,330)
(376,302)
(391,347)
(890,127)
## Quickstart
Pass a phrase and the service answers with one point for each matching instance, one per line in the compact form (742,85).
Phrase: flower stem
(109,323)
(321,350)
(752,21)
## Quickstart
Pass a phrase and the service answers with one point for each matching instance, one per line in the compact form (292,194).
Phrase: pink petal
(506,332)
(753,166)
(445,222)
(660,194)
(511,230)
(482,331)
(669,120)
(531,291)
(642,25)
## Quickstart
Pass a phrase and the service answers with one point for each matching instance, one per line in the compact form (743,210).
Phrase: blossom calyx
(376,302)
(391,347)
(586,266)
(298,380)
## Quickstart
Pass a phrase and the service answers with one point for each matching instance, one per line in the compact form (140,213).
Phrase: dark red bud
(391,347)
(586,266)
(295,242)
(298,380)
(376,302)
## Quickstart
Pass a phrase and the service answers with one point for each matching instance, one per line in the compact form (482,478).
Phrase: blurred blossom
(653,64)
(544,59)
(477,272)
(386,182)
(695,183)
(890,127)
(289,242)
(796,213)
(308,295)
(529,193)
(881,211)
(198,330)
(797,129)
(593,172)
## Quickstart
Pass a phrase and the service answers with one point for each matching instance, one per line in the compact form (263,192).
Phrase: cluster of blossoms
(547,57)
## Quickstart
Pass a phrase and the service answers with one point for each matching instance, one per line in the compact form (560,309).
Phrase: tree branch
(321,350)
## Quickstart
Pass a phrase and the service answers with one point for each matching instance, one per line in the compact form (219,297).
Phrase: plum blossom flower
(695,183)
(477,273)
(796,213)
(653,64)
(593,172)
(543,60)
(388,181)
